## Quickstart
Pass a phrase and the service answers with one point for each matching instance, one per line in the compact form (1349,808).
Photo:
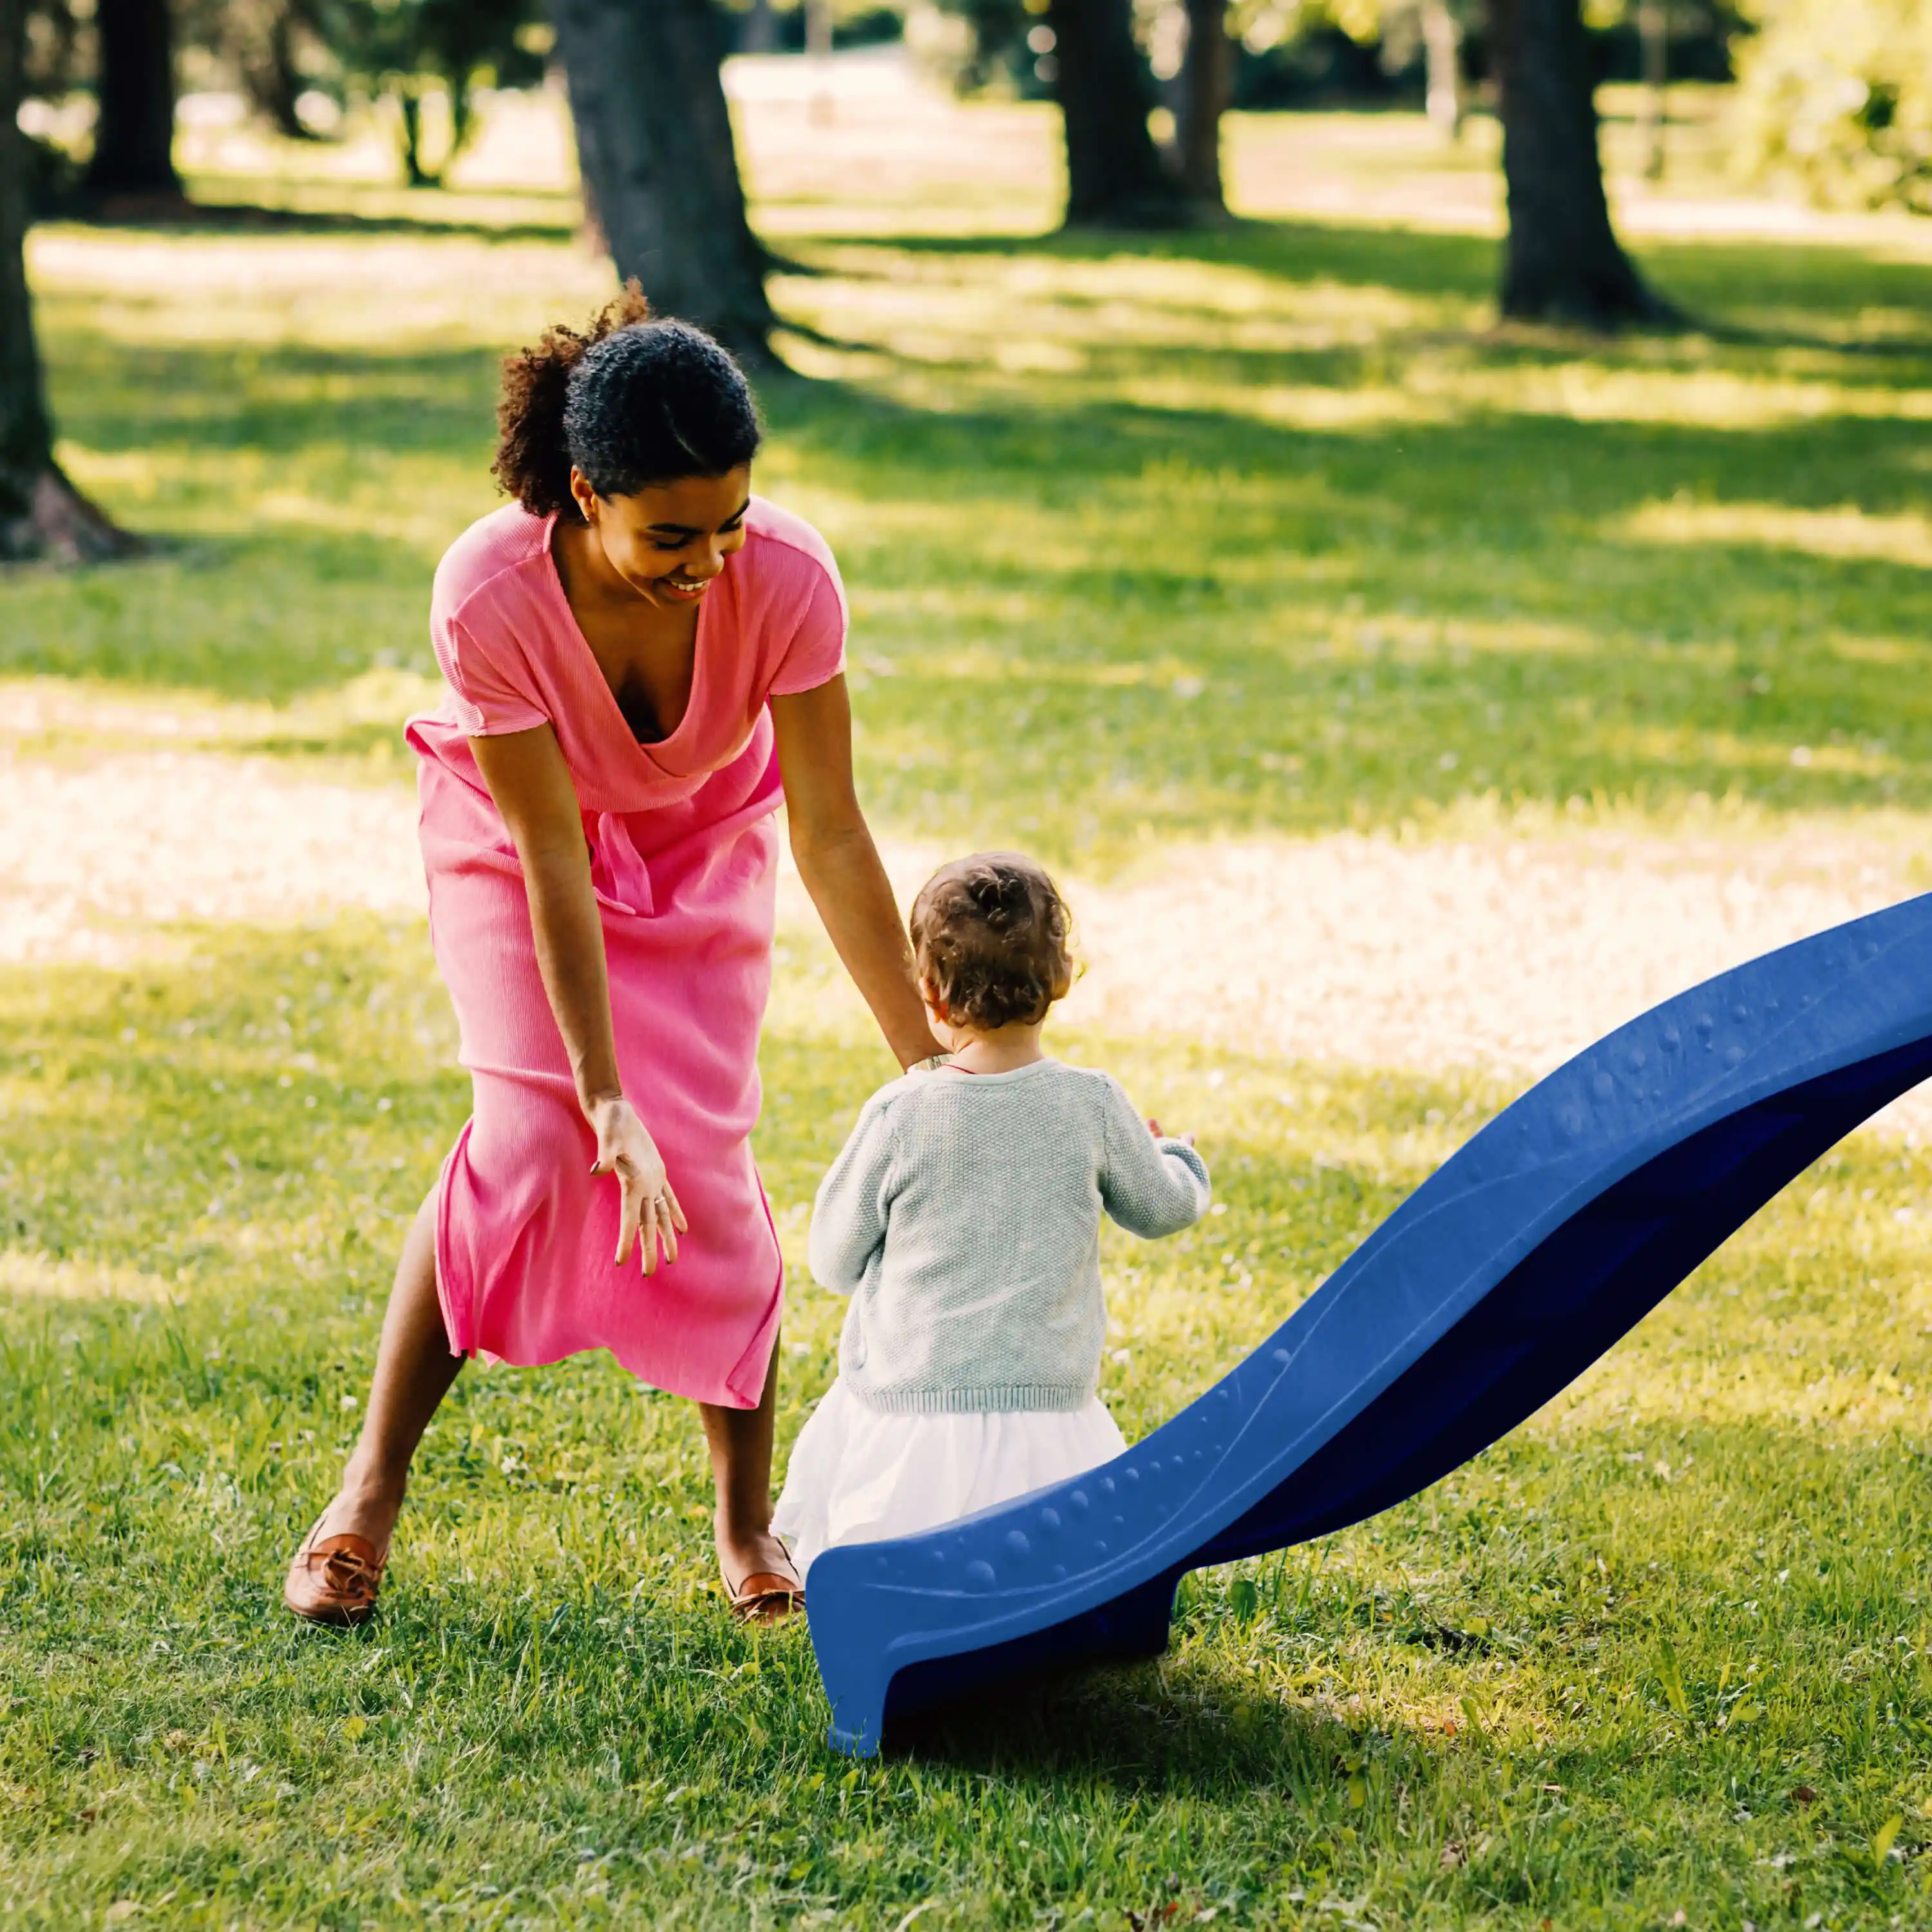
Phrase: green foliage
(1837,95)
(980,46)
(400,49)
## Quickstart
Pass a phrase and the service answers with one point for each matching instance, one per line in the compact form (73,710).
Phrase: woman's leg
(740,1441)
(414,1368)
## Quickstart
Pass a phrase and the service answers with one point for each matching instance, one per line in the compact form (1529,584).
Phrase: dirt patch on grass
(1504,955)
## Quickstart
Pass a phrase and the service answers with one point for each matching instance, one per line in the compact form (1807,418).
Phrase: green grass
(1581,1679)
(1256,531)
(1262,532)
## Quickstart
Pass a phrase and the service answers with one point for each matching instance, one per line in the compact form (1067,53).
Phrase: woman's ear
(582,495)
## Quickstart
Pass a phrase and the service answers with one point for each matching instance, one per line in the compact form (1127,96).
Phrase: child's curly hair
(631,399)
(992,937)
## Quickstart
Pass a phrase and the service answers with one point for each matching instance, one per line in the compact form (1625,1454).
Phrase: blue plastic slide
(1500,1280)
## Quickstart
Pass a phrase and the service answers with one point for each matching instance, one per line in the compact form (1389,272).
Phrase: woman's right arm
(531,784)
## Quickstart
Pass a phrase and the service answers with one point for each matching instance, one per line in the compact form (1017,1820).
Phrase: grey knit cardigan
(963,1218)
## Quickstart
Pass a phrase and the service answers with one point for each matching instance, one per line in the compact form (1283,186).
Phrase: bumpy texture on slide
(1508,1272)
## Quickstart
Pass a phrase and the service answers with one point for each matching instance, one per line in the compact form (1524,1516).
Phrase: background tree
(134,126)
(1116,177)
(1562,262)
(1835,96)
(41,513)
(404,50)
(1443,99)
(660,168)
(1205,83)
(269,44)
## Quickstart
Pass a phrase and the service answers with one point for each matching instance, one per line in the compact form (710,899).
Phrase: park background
(1408,692)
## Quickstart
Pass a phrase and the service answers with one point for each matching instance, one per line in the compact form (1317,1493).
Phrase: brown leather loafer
(764,1598)
(334,1579)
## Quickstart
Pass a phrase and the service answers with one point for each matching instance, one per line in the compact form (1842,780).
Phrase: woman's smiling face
(668,542)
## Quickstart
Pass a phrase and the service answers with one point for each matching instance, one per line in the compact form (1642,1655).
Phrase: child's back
(963,1218)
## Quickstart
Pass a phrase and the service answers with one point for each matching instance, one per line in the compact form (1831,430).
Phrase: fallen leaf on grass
(1803,1794)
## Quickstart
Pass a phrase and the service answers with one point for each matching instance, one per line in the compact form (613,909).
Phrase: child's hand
(1155,1129)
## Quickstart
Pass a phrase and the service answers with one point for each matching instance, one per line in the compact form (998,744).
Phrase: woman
(642,659)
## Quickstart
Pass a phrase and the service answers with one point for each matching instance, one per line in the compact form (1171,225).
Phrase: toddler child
(963,1218)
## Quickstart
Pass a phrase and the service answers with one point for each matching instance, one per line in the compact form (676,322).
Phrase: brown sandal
(765,1597)
(335,1580)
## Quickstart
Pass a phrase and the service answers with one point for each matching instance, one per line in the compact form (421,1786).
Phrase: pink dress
(683,850)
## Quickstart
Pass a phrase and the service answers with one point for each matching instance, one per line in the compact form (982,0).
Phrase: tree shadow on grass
(1720,281)
(1654,605)
(251,218)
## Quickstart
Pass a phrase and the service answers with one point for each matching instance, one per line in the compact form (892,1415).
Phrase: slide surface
(1500,1280)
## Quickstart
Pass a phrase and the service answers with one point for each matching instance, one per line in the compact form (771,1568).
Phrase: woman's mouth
(683,589)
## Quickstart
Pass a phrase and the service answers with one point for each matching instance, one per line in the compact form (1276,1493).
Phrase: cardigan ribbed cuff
(997,1399)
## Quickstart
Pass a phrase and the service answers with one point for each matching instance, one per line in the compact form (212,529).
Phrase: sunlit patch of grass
(1248,532)
(1665,1648)
(1901,537)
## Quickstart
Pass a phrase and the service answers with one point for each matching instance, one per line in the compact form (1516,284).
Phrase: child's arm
(1151,1187)
(848,1219)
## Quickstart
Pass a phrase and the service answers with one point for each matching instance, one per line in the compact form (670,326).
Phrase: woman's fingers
(627,1215)
(648,1215)
(676,1210)
(647,1234)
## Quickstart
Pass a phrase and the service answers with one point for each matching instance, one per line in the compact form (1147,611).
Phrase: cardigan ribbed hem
(1000,1399)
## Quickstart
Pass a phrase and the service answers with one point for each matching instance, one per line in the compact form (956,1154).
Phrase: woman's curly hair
(992,939)
(630,400)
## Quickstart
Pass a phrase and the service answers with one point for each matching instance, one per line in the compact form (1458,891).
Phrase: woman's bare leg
(740,1441)
(414,1370)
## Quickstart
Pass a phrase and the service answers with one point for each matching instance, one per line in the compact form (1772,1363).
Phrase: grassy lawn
(1264,532)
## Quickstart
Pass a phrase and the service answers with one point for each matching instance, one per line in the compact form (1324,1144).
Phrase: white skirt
(857,1475)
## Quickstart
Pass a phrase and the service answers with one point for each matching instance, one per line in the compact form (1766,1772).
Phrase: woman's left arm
(841,867)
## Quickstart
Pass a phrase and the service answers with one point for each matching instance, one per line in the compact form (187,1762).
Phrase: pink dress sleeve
(816,653)
(489,699)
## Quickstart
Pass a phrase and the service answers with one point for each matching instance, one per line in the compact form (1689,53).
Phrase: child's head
(990,935)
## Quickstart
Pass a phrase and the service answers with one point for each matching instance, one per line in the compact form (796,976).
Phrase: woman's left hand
(648,1210)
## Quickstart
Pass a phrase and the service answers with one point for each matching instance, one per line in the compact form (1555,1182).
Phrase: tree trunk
(1562,262)
(1442,47)
(271,78)
(761,29)
(1207,78)
(1115,177)
(818,51)
(41,513)
(654,143)
(134,126)
(409,135)
(1653,27)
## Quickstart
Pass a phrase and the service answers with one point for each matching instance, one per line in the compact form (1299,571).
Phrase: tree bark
(1115,177)
(134,126)
(654,143)
(1562,262)
(41,513)
(1206,79)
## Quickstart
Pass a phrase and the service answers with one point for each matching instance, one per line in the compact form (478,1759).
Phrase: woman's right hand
(648,1210)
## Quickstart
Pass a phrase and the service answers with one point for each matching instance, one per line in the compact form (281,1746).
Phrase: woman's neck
(1005,1050)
